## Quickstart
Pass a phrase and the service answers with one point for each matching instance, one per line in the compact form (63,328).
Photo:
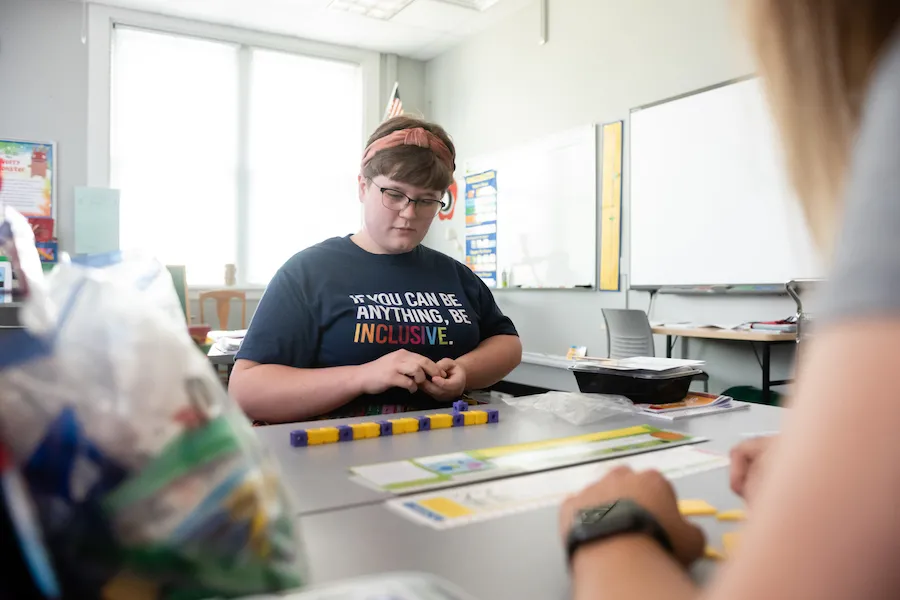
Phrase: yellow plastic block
(314,437)
(410,425)
(480,416)
(713,554)
(329,435)
(696,508)
(731,541)
(469,418)
(398,426)
(372,430)
(732,515)
(359,430)
(441,421)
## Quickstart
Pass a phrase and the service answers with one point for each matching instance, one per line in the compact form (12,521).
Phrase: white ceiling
(422,30)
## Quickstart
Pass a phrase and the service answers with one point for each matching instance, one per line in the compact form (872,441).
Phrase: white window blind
(231,154)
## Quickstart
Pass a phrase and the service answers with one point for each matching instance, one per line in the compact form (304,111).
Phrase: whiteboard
(547,210)
(710,199)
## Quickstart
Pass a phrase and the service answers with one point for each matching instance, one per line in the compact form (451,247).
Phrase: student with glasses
(375,322)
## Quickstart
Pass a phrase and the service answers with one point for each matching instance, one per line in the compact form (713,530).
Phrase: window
(226,153)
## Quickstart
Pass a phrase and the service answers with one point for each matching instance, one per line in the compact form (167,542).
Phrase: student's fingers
(413,371)
(740,468)
(429,367)
(406,383)
(446,364)
(433,390)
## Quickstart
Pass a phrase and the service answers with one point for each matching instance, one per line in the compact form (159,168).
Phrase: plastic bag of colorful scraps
(148,480)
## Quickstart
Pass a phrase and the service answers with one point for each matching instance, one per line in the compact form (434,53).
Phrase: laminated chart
(447,509)
(447,470)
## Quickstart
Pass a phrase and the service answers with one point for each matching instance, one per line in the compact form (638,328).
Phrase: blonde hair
(816,58)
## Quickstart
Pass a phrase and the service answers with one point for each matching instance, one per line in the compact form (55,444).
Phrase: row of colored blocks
(361,431)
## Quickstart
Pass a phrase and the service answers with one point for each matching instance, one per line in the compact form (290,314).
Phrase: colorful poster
(481,226)
(479,502)
(29,177)
(433,472)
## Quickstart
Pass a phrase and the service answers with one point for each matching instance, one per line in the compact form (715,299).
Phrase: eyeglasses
(398,201)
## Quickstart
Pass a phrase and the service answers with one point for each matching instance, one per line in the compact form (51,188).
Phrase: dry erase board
(709,197)
(546,210)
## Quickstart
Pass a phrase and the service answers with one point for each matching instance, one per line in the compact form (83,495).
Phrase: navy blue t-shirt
(335,304)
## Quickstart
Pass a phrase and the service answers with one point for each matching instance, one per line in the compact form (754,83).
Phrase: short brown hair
(412,164)
(817,58)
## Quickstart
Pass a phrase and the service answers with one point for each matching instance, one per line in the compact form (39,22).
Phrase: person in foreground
(824,522)
(375,322)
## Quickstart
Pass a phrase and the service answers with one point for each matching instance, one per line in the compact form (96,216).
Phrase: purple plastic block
(387,428)
(493,415)
(424,424)
(458,420)
(299,438)
(461,406)
(345,433)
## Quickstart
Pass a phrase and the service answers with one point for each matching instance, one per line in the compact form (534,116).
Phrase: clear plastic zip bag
(148,479)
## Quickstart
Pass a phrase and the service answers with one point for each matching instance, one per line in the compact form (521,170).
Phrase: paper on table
(433,472)
(477,502)
(640,363)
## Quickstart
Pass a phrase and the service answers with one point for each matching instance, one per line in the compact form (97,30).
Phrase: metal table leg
(766,373)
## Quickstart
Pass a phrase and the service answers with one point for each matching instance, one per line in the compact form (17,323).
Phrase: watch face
(592,515)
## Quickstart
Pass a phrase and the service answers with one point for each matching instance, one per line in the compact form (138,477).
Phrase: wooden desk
(764,338)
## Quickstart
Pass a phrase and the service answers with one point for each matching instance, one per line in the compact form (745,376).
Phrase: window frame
(102,20)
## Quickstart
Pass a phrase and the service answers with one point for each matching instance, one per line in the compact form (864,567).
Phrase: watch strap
(640,521)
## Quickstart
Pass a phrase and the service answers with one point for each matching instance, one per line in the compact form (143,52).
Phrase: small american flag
(394,105)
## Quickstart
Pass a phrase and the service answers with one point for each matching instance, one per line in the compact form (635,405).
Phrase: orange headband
(416,136)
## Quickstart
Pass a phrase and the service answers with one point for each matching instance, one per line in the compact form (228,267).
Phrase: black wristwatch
(608,520)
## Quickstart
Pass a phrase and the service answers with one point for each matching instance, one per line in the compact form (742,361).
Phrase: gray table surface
(348,532)
(318,479)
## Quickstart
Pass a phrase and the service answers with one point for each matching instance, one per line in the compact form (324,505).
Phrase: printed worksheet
(478,502)
(446,470)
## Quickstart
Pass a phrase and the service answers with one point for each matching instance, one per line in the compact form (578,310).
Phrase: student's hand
(747,460)
(650,490)
(449,387)
(401,369)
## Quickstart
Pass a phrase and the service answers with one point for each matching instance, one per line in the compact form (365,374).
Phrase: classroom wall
(603,57)
(43,90)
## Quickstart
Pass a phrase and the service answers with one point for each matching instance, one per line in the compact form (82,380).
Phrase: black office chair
(628,334)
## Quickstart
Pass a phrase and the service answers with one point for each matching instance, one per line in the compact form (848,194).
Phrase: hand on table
(402,369)
(447,387)
(651,491)
(747,462)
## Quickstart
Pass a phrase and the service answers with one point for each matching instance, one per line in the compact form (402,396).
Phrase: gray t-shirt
(865,277)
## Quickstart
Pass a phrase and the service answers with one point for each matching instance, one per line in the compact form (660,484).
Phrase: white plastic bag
(145,474)
(577,409)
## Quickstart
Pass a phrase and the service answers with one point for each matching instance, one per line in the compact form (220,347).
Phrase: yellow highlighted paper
(578,439)
(445,507)
(731,542)
(732,515)
(696,508)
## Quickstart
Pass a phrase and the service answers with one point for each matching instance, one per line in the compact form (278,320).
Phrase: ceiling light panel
(375,9)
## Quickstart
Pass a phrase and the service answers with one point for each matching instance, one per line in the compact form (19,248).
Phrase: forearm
(278,394)
(629,567)
(491,361)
